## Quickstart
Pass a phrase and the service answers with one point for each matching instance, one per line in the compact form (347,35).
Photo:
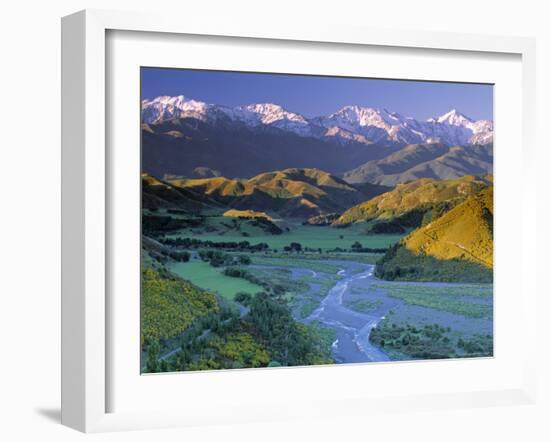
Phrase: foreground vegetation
(246,321)
(406,341)
(169,305)
(266,337)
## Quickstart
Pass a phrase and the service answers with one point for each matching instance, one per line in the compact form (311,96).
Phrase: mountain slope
(413,202)
(416,161)
(465,232)
(157,194)
(381,125)
(181,146)
(169,305)
(181,136)
(295,193)
(350,123)
(458,246)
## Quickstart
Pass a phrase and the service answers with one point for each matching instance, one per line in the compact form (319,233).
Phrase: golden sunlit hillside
(233,213)
(465,232)
(421,194)
(291,192)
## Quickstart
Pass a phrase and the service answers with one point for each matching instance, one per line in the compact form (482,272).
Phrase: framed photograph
(277,222)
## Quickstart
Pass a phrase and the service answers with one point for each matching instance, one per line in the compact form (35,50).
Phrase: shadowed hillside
(416,161)
(180,146)
(157,194)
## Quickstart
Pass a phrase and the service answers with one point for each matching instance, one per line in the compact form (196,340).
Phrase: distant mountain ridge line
(351,123)
(416,161)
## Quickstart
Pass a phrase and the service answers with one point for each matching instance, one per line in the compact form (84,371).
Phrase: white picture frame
(85,202)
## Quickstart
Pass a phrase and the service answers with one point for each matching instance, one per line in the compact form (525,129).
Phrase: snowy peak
(165,108)
(365,116)
(350,124)
(268,113)
(454,118)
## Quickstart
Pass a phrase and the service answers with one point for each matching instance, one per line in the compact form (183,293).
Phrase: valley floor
(357,303)
(359,317)
(331,291)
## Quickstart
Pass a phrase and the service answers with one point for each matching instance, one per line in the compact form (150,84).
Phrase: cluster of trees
(426,342)
(479,345)
(293,247)
(218,259)
(358,248)
(157,225)
(236,272)
(398,263)
(386,227)
(193,243)
(430,341)
(243,298)
(288,342)
(179,255)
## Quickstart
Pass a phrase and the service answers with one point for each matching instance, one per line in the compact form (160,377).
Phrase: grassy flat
(210,278)
(461,300)
(314,237)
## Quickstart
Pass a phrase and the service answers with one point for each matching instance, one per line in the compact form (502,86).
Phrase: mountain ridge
(365,125)
(417,161)
(411,202)
(293,192)
(181,145)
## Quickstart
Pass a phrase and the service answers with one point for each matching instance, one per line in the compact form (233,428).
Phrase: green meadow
(210,278)
(313,237)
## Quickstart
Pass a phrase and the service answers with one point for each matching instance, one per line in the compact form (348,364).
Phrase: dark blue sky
(313,95)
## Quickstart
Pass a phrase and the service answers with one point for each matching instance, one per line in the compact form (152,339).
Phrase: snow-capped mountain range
(356,124)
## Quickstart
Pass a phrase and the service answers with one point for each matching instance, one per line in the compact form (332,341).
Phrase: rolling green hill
(414,203)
